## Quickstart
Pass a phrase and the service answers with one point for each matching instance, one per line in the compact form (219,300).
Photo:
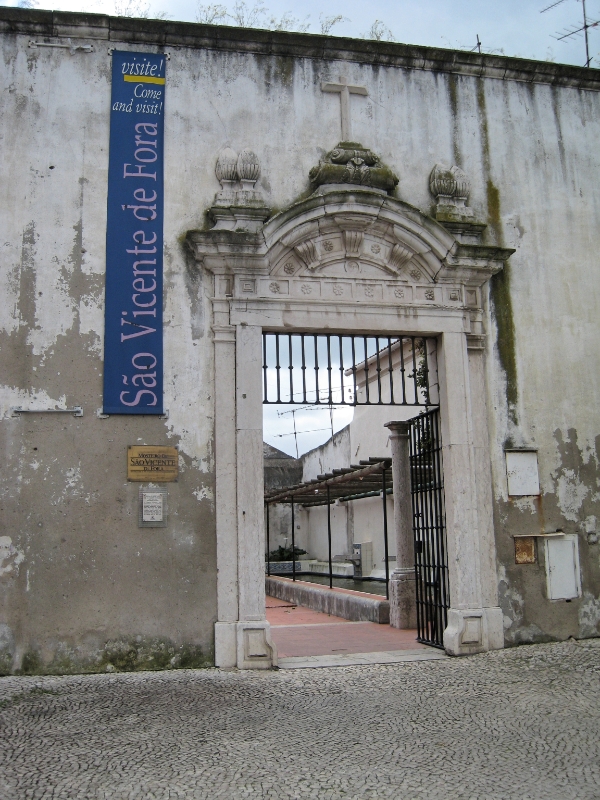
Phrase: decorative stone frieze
(352,163)
(351,238)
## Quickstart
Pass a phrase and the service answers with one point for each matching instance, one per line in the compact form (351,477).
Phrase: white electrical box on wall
(562,567)
(522,473)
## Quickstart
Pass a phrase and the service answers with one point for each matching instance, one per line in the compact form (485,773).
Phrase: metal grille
(429,526)
(336,369)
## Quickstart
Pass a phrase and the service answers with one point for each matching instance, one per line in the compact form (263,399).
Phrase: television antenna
(295,433)
(567,33)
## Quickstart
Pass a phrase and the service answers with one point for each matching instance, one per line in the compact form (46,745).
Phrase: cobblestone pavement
(520,723)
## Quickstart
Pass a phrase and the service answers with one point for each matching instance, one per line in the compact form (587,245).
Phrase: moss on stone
(153,654)
(122,655)
(31,664)
(453,97)
(502,307)
(500,283)
(6,661)
(284,69)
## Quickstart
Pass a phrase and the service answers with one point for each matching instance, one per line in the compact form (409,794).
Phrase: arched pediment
(344,244)
(358,233)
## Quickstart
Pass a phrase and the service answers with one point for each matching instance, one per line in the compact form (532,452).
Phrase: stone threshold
(357,659)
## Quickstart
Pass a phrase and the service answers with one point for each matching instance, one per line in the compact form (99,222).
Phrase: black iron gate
(429,526)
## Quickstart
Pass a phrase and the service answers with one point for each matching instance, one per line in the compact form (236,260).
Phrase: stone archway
(352,259)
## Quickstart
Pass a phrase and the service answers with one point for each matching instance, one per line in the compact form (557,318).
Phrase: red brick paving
(299,631)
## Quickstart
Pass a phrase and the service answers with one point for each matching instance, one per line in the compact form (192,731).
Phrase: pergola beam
(342,484)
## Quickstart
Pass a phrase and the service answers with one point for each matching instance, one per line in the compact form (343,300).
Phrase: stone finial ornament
(226,172)
(238,206)
(248,168)
(352,163)
(449,182)
(451,187)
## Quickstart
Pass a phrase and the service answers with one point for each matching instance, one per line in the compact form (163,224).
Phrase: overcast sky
(514,27)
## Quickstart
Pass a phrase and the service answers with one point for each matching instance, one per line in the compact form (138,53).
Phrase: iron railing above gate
(340,369)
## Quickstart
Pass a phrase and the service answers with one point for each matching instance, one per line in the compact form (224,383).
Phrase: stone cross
(344,89)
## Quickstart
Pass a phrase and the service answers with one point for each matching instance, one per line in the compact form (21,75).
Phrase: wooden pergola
(369,478)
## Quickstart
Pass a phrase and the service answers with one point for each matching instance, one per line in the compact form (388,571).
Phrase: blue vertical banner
(133,339)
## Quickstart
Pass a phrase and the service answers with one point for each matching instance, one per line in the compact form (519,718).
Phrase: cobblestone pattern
(520,723)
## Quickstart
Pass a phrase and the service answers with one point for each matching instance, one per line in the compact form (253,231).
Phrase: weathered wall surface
(82,586)
(77,574)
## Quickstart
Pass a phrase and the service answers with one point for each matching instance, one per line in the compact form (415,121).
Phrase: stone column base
(473,630)
(403,601)
(245,645)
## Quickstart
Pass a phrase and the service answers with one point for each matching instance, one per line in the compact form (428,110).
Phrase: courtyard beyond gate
(309,638)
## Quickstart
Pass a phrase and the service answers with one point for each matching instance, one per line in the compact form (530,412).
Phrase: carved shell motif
(226,168)
(248,166)
(449,182)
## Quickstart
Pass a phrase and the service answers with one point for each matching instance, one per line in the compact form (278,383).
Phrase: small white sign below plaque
(153,508)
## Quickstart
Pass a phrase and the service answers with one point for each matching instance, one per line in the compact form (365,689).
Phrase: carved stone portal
(348,258)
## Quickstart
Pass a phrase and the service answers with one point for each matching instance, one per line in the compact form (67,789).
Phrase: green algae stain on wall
(502,308)
(500,294)
(503,315)
(454,111)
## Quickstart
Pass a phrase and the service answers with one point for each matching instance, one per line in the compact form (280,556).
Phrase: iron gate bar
(390,368)
(307,359)
(293,544)
(431,569)
(329,537)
